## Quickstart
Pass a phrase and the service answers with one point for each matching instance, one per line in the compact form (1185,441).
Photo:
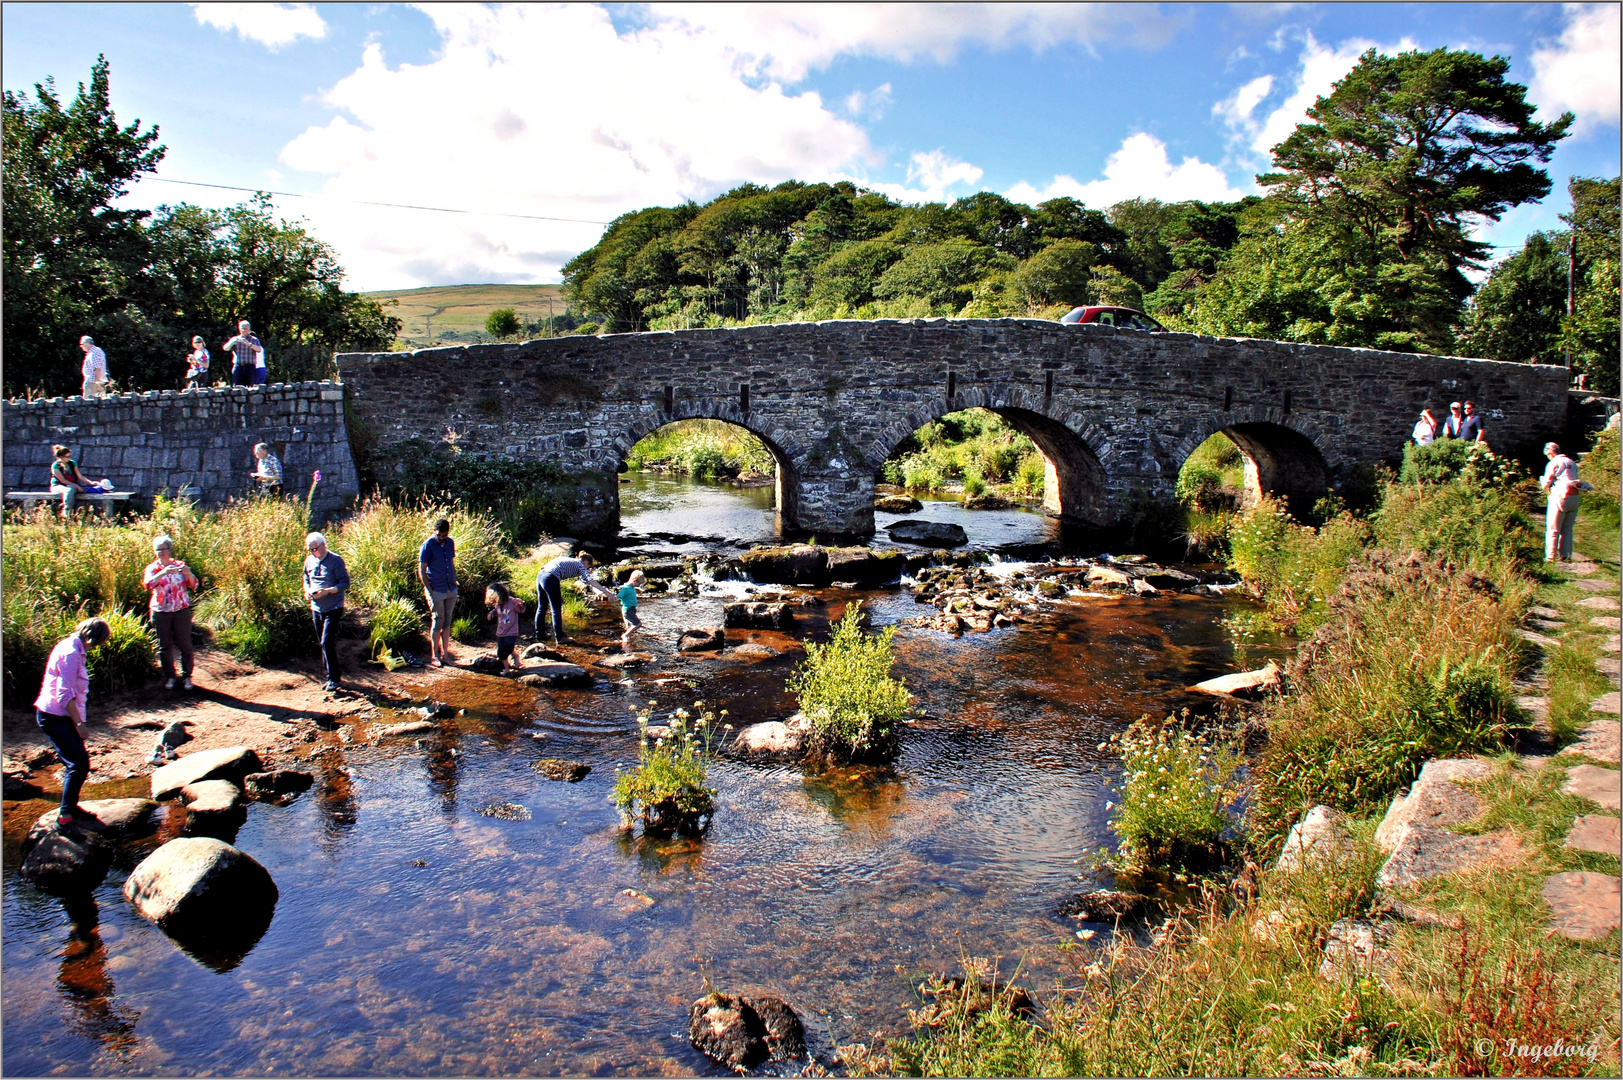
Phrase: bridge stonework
(1115,412)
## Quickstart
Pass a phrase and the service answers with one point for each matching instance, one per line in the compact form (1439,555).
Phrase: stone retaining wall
(165,440)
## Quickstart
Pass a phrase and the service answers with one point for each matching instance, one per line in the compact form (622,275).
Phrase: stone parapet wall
(1115,411)
(201,440)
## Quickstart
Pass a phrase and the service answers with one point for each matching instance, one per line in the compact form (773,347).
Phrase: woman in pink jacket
(60,708)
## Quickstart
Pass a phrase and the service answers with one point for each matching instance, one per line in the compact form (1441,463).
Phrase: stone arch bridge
(1115,412)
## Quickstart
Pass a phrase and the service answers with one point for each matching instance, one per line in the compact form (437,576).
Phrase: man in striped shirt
(94,368)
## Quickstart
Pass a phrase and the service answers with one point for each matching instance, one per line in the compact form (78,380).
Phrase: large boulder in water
(928,533)
(773,740)
(758,615)
(742,1032)
(75,857)
(865,566)
(227,763)
(200,889)
(797,564)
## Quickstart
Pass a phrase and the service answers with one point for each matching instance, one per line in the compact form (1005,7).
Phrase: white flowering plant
(1175,790)
(665,789)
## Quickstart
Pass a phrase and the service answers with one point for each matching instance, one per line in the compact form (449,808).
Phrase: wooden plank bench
(110,501)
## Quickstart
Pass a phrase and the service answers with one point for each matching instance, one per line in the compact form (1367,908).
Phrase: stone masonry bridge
(1115,412)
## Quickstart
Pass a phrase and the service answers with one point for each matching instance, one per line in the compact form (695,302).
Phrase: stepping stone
(1424,853)
(1541,611)
(1593,783)
(1577,569)
(1606,703)
(1533,637)
(227,763)
(1610,644)
(1546,626)
(1607,666)
(1595,585)
(1583,905)
(1434,800)
(1594,832)
(1604,622)
(1535,705)
(1598,741)
(1598,603)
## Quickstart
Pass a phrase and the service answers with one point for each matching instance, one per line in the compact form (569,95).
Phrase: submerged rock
(410,727)
(928,533)
(897,504)
(758,615)
(200,888)
(625,661)
(269,785)
(553,673)
(227,763)
(707,639)
(1106,905)
(506,811)
(557,769)
(1105,577)
(742,1032)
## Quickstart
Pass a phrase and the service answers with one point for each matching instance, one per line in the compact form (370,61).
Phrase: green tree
(1061,273)
(68,253)
(1516,314)
(1591,332)
(1396,162)
(942,274)
(502,323)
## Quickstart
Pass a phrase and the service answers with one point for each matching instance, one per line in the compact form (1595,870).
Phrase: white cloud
(1236,109)
(670,116)
(1139,169)
(869,103)
(1580,70)
(785,41)
(272,25)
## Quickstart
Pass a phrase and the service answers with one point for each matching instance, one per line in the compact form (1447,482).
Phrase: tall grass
(975,447)
(1414,661)
(381,542)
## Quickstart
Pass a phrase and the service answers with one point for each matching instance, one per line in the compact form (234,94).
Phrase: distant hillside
(442,314)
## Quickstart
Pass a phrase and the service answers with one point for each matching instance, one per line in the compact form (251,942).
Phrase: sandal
(435,661)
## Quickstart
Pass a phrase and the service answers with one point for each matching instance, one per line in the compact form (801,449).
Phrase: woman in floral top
(171,581)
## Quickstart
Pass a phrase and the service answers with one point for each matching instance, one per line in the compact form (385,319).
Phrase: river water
(416,936)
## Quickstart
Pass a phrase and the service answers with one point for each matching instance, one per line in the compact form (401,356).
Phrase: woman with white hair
(1561,481)
(170,581)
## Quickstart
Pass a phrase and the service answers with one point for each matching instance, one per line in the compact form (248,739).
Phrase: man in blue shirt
(326,579)
(436,567)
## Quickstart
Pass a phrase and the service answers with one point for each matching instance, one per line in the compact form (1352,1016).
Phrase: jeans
(71,749)
(243,374)
(327,633)
(549,591)
(174,633)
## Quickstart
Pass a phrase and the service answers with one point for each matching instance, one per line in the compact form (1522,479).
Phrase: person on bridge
(94,369)
(246,350)
(1561,481)
(197,365)
(436,568)
(1453,422)
(549,590)
(1425,429)
(1471,429)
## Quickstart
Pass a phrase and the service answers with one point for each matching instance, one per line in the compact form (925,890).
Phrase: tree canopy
(142,283)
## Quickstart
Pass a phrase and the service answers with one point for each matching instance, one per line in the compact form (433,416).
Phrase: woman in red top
(170,581)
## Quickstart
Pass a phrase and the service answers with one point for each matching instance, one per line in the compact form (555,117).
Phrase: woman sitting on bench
(66,479)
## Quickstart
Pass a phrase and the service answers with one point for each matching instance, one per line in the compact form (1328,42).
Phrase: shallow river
(416,936)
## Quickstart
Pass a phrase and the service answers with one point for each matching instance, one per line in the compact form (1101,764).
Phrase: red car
(1124,317)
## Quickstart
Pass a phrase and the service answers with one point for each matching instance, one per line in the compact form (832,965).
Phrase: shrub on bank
(394,623)
(846,690)
(1296,568)
(1176,789)
(665,790)
(1415,660)
(33,625)
(249,558)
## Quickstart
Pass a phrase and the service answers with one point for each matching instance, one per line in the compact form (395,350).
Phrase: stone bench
(109,500)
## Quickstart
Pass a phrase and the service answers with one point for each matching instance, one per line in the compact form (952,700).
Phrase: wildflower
(316,478)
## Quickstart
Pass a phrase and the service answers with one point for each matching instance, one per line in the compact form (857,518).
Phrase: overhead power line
(366,202)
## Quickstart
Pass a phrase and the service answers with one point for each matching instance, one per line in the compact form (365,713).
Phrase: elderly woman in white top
(1561,481)
(1425,429)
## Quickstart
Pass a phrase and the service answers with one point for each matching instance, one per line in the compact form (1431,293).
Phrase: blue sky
(585,112)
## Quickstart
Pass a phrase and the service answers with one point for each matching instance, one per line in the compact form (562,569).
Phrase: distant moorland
(457,313)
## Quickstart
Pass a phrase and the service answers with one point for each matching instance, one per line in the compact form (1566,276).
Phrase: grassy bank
(976,449)
(248,557)
(705,450)
(1407,619)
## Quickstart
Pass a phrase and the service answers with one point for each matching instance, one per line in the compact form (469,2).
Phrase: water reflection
(85,983)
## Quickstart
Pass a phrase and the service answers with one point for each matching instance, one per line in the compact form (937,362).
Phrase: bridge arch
(1075,485)
(1282,458)
(781,444)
